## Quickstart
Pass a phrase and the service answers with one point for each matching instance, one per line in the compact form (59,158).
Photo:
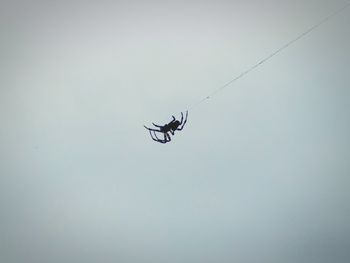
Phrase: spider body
(172,126)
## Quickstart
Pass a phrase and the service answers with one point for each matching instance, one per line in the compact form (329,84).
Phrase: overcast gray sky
(259,174)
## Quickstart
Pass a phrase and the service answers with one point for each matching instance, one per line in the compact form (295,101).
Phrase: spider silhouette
(172,126)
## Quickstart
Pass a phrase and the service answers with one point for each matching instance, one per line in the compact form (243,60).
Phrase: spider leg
(182,118)
(166,135)
(169,138)
(160,140)
(153,136)
(153,133)
(151,129)
(158,126)
(183,124)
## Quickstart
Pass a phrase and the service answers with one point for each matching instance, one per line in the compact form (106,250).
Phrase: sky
(260,172)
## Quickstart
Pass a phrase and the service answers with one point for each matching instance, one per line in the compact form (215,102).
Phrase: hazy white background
(260,174)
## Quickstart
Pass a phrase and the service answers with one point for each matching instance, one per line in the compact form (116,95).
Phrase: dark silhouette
(171,127)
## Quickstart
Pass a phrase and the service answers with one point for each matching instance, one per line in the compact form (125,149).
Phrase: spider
(172,126)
